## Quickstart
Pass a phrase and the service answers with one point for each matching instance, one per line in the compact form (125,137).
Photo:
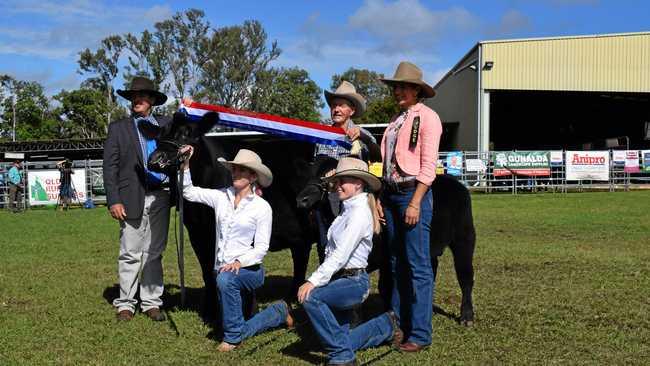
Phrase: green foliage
(289,93)
(560,279)
(34,120)
(380,103)
(82,113)
(236,57)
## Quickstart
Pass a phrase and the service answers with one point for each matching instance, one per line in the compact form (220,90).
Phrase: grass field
(560,279)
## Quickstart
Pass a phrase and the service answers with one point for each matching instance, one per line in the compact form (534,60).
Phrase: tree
(287,92)
(236,57)
(81,113)
(380,105)
(34,120)
(104,64)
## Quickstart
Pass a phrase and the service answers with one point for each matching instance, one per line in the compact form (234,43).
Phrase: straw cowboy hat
(249,159)
(355,168)
(348,92)
(409,73)
(143,85)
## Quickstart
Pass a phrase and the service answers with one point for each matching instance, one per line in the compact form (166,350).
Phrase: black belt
(348,272)
(400,186)
(254,267)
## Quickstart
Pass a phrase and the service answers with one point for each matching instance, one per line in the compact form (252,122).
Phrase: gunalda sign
(587,165)
(530,163)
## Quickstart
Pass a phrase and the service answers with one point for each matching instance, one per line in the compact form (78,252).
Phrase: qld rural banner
(587,165)
(528,163)
(44,186)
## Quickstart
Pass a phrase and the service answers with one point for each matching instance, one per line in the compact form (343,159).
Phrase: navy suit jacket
(124,178)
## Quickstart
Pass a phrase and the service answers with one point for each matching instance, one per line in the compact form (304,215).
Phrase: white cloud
(511,23)
(70,26)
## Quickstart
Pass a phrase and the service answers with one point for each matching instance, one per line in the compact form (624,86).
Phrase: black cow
(287,159)
(452,225)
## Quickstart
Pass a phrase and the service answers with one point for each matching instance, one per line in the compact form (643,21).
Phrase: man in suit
(137,198)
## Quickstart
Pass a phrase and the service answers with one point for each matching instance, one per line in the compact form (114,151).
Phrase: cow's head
(182,131)
(316,187)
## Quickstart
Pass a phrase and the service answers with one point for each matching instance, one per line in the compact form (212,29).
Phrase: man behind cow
(136,198)
(344,103)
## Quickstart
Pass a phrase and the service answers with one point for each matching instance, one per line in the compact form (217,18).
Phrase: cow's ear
(207,122)
(301,166)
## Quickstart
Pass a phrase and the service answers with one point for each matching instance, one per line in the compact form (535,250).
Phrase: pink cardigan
(420,161)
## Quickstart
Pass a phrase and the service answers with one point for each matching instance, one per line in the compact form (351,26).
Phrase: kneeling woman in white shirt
(243,223)
(341,282)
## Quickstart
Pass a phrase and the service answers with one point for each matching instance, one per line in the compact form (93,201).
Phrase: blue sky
(40,39)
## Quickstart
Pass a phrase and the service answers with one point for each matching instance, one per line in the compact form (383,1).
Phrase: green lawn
(560,279)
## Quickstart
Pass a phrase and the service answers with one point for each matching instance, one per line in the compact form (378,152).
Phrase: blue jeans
(329,308)
(410,262)
(230,287)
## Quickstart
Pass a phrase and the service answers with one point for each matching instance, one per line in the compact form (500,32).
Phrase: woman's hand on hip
(304,291)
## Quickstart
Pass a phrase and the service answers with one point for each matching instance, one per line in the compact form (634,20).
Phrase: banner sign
(475,165)
(592,165)
(267,123)
(631,161)
(440,167)
(556,157)
(455,163)
(44,186)
(646,160)
(618,157)
(528,163)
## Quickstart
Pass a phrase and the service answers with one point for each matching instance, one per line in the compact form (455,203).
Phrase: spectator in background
(15,186)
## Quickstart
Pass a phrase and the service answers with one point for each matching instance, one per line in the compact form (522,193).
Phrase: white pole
(13,105)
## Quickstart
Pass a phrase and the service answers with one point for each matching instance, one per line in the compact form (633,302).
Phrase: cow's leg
(300,256)
(204,248)
(463,251)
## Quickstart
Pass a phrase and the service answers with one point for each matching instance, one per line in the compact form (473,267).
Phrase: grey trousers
(142,243)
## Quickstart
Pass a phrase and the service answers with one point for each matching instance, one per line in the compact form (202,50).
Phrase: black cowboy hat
(143,85)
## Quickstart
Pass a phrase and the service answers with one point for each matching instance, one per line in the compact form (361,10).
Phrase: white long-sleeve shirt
(243,233)
(349,240)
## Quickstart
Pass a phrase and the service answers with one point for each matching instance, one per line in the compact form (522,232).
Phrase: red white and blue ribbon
(268,123)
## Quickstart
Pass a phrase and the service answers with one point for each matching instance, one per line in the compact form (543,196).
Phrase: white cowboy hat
(356,168)
(249,159)
(348,92)
(409,73)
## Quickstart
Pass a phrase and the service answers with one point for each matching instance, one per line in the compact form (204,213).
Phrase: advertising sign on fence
(44,186)
(631,161)
(591,165)
(475,165)
(529,163)
(440,167)
(556,157)
(455,163)
(646,160)
(618,157)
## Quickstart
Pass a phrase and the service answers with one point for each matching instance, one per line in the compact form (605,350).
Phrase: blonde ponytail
(376,226)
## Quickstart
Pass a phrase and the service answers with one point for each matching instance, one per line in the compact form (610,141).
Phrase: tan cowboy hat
(409,73)
(347,91)
(249,159)
(356,168)
(143,85)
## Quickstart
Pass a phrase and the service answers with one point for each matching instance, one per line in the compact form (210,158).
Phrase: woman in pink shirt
(410,151)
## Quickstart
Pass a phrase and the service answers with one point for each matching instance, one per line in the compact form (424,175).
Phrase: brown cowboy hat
(348,92)
(409,73)
(249,159)
(143,85)
(355,168)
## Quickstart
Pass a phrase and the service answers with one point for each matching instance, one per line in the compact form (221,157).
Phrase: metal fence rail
(479,181)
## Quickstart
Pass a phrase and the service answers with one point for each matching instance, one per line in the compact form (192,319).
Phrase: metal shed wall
(611,63)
